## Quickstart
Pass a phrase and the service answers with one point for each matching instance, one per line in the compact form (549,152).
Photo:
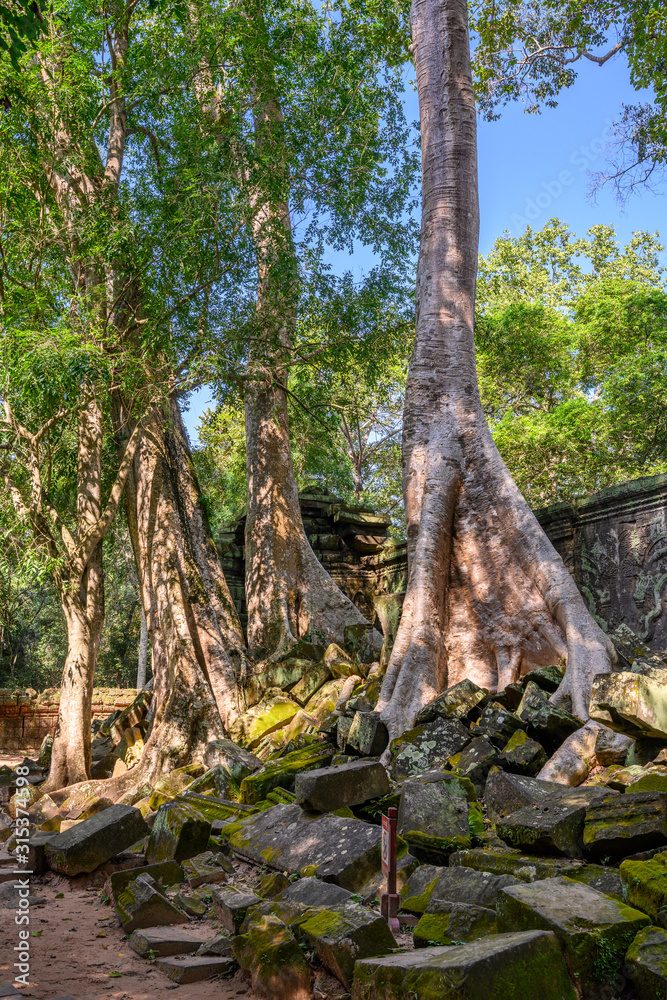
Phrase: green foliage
(571,341)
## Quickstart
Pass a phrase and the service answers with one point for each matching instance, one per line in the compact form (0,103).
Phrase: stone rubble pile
(513,884)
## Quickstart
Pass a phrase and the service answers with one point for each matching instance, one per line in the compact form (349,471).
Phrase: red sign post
(390,901)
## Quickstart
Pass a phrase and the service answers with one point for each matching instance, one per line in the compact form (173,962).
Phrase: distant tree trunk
(143,651)
(82,600)
(488,597)
(197,646)
(288,592)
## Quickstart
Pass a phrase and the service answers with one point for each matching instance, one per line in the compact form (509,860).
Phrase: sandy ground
(78,945)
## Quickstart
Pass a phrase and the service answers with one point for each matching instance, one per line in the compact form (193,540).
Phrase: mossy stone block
(594,930)
(457,702)
(179,832)
(626,824)
(231,905)
(453,923)
(645,885)
(522,755)
(512,966)
(143,903)
(646,960)
(336,849)
(269,953)
(281,773)
(345,934)
(427,747)
(93,841)
(554,826)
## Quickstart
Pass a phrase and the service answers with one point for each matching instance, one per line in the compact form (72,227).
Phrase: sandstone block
(527,964)
(345,934)
(456,702)
(195,968)
(432,820)
(450,923)
(594,930)
(336,849)
(269,954)
(522,755)
(143,903)
(163,941)
(625,824)
(179,832)
(232,904)
(427,747)
(314,892)
(329,788)
(96,840)
(646,960)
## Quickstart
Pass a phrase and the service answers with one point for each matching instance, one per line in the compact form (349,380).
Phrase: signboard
(386,845)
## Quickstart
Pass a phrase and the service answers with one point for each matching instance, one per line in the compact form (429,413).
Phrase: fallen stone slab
(164,872)
(314,892)
(329,788)
(179,832)
(646,962)
(9,895)
(453,884)
(507,793)
(336,849)
(523,867)
(450,923)
(162,941)
(645,886)
(432,820)
(555,826)
(632,703)
(273,961)
(345,934)
(232,904)
(528,964)
(219,944)
(475,761)
(625,824)
(546,722)
(368,734)
(281,773)
(604,879)
(427,747)
(143,903)
(195,968)
(204,869)
(521,755)
(457,702)
(497,724)
(96,840)
(594,930)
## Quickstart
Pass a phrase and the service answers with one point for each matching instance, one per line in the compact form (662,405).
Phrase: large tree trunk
(488,597)
(82,600)
(288,592)
(197,646)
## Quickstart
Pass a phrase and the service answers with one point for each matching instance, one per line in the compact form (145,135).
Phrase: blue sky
(535,167)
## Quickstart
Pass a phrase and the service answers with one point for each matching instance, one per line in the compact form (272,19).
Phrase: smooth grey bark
(288,592)
(488,597)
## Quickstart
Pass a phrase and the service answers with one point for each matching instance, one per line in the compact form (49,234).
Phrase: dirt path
(80,943)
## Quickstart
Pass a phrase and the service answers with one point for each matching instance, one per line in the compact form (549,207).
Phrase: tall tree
(488,597)
(315,98)
(89,167)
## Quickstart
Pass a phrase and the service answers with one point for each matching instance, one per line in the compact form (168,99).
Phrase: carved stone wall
(614,543)
(27,717)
